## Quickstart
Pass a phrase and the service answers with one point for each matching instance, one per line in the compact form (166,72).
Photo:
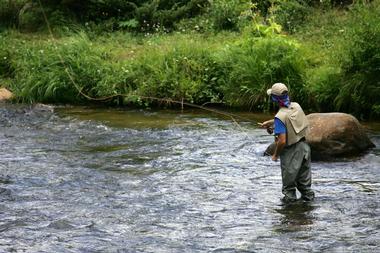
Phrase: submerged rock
(334,135)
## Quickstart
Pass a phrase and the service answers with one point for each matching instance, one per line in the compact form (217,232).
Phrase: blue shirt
(279,127)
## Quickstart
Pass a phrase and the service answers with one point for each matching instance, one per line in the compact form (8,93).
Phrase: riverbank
(326,61)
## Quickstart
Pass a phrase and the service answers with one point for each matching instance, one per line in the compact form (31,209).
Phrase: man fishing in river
(289,126)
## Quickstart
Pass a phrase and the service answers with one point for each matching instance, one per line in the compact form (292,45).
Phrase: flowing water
(106,180)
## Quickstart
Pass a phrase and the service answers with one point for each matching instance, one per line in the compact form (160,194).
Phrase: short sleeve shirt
(279,127)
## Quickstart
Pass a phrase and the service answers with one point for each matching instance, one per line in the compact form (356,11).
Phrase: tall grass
(343,51)
(331,62)
(258,62)
(177,67)
(186,70)
(41,76)
(360,91)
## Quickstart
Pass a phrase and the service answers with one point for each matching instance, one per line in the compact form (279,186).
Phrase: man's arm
(280,144)
(268,125)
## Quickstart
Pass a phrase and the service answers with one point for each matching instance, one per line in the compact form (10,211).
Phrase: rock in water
(334,135)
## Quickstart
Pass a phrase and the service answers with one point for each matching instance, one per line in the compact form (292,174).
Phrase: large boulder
(334,135)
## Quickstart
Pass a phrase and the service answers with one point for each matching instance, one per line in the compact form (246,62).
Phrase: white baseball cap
(277,89)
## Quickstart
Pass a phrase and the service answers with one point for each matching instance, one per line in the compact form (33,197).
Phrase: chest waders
(296,171)
(296,156)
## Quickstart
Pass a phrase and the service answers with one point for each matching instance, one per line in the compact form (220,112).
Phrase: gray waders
(296,171)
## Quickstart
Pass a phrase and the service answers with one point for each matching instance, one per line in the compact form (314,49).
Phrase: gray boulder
(334,135)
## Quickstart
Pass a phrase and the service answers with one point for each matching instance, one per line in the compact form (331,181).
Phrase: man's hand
(268,125)
(274,158)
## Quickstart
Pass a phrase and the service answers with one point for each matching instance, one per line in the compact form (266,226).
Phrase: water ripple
(100,180)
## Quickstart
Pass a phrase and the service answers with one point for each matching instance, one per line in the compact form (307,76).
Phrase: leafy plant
(188,71)
(360,89)
(290,13)
(262,58)
(42,75)
(225,13)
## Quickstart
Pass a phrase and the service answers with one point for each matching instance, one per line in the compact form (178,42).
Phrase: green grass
(343,48)
(327,62)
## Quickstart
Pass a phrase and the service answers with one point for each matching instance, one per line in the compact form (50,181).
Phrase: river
(120,180)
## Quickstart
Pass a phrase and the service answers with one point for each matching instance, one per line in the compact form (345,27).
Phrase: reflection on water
(107,180)
(295,216)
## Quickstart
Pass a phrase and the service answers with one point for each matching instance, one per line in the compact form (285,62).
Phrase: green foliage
(257,64)
(137,15)
(9,11)
(41,76)
(324,85)
(330,61)
(129,24)
(30,18)
(183,69)
(225,13)
(198,24)
(6,69)
(187,70)
(262,28)
(360,91)
(155,14)
(290,13)
(344,72)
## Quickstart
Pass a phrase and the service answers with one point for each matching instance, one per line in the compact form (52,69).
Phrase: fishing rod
(106,98)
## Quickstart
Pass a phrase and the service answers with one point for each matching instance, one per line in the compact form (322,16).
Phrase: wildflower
(5,57)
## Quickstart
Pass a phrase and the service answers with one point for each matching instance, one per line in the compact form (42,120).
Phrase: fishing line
(106,98)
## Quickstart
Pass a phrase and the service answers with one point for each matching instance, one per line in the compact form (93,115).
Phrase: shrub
(225,13)
(324,85)
(110,15)
(41,76)
(6,69)
(165,14)
(290,13)
(198,24)
(186,70)
(9,11)
(360,90)
(257,63)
